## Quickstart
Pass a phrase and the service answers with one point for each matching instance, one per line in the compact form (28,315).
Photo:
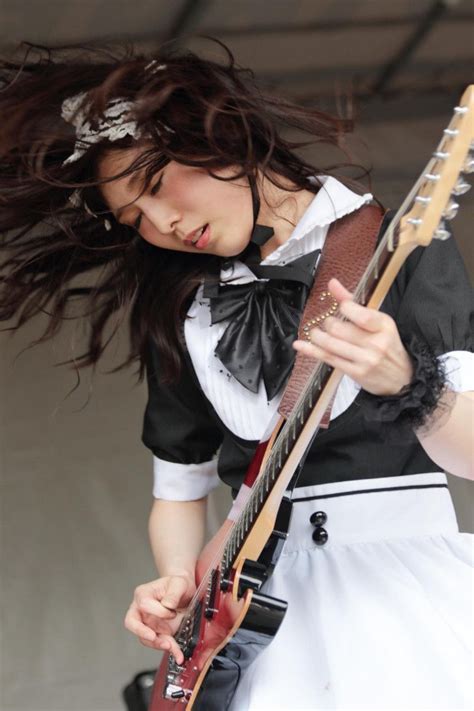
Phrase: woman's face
(179,202)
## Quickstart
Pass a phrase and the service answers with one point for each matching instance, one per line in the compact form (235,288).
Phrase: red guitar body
(233,623)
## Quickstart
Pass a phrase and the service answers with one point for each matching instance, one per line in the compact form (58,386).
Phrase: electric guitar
(229,621)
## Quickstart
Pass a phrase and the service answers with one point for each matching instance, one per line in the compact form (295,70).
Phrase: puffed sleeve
(179,429)
(432,298)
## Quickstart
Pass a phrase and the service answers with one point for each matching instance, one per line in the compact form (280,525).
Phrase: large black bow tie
(263,321)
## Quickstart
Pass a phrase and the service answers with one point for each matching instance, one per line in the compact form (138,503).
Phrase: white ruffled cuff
(459,370)
(183,482)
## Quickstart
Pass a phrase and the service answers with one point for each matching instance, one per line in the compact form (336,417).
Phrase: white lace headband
(114,125)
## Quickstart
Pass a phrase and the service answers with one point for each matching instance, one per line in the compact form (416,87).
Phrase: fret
(249,515)
(272,468)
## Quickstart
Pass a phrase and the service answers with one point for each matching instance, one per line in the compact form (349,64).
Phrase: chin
(233,250)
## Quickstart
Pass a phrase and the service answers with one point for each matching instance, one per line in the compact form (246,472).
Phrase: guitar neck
(373,286)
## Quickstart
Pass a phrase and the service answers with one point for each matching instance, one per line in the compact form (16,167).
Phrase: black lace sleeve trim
(415,404)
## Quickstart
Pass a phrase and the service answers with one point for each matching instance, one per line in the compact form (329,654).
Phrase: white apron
(380,617)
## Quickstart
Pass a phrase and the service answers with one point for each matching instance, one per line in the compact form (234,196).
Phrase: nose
(163,216)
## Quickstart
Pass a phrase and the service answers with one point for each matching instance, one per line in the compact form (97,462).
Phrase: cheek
(195,192)
(186,186)
(151,235)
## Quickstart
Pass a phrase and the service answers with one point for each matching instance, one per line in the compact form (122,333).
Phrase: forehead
(124,189)
(121,191)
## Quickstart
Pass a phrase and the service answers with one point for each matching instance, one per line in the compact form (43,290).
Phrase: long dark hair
(58,258)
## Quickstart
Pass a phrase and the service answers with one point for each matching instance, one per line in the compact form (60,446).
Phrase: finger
(174,592)
(368,319)
(134,624)
(346,366)
(346,331)
(335,346)
(156,608)
(339,291)
(161,646)
(161,643)
(159,625)
(169,644)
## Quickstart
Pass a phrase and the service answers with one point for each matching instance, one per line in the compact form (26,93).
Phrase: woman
(164,171)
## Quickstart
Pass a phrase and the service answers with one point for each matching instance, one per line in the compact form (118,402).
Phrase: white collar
(332,201)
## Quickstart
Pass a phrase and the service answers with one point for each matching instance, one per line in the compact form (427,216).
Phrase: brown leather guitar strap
(349,246)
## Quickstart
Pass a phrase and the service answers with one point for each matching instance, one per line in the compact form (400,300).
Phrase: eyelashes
(153,191)
(157,185)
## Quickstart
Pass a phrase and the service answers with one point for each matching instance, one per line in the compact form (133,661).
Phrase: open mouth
(199,234)
(200,238)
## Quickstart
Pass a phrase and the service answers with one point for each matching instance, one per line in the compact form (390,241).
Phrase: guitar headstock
(433,198)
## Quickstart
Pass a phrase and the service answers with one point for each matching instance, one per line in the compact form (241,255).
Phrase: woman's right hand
(157,610)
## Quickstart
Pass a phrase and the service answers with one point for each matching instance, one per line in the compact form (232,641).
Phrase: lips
(198,238)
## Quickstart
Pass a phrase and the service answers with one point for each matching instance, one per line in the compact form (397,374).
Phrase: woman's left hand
(367,347)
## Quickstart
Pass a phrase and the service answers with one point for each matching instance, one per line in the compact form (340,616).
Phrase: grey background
(75,479)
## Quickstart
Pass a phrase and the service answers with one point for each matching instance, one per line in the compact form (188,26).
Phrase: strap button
(318,518)
(320,536)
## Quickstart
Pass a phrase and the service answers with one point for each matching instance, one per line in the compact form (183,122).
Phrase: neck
(280,209)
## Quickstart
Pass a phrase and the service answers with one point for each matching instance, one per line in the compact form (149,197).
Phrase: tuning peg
(442,233)
(451,210)
(468,166)
(461,187)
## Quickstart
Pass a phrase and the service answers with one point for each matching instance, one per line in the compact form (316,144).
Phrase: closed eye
(153,191)
(157,185)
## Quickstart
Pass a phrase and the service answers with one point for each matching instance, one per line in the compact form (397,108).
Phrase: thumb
(175,591)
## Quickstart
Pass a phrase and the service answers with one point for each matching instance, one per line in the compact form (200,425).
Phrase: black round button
(318,518)
(320,536)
